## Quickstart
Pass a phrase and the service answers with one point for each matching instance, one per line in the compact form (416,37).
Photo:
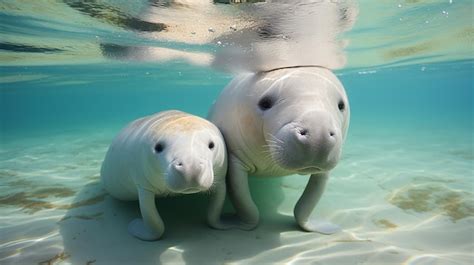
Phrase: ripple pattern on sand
(399,200)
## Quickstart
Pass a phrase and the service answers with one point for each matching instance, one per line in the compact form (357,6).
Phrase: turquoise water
(403,191)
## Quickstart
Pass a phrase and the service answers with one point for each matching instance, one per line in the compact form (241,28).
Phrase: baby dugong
(165,154)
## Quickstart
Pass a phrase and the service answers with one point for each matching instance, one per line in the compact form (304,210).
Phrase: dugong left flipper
(168,153)
(308,201)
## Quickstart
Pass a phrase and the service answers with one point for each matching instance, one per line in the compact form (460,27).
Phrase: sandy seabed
(399,200)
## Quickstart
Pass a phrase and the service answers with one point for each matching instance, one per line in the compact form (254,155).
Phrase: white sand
(362,197)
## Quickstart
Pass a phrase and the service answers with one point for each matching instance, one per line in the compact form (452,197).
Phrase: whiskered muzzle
(310,145)
(189,176)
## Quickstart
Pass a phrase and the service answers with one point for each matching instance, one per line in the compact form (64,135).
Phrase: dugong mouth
(309,170)
(180,186)
(191,179)
(191,190)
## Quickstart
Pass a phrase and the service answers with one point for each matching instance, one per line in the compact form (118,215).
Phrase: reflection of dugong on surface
(166,154)
(282,122)
(248,35)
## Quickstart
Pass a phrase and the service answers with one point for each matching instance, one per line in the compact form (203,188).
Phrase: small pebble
(211,30)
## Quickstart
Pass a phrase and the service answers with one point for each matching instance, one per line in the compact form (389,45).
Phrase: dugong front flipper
(307,202)
(216,204)
(151,227)
(240,196)
(248,211)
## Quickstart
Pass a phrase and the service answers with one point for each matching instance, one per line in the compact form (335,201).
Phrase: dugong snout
(313,142)
(316,132)
(189,175)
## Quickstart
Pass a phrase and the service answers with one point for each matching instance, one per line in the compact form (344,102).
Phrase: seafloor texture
(402,193)
(398,201)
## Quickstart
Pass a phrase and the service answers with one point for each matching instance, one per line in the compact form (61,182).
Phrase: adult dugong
(165,154)
(282,122)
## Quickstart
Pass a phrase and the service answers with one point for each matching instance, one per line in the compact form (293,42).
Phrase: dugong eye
(159,147)
(265,103)
(341,105)
(211,145)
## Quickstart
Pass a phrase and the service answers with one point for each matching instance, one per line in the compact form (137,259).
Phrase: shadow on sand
(97,233)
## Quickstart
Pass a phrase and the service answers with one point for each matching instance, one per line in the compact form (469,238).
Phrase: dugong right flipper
(151,227)
(216,204)
(307,202)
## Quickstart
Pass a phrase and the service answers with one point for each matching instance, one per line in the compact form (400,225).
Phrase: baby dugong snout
(189,175)
(310,143)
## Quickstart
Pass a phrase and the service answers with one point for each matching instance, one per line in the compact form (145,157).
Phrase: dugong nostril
(332,133)
(178,166)
(301,135)
(303,132)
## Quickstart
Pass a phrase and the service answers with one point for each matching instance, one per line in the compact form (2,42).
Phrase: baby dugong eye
(266,103)
(341,105)
(211,145)
(159,147)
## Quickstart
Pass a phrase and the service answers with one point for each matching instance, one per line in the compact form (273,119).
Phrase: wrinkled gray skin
(278,123)
(135,168)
